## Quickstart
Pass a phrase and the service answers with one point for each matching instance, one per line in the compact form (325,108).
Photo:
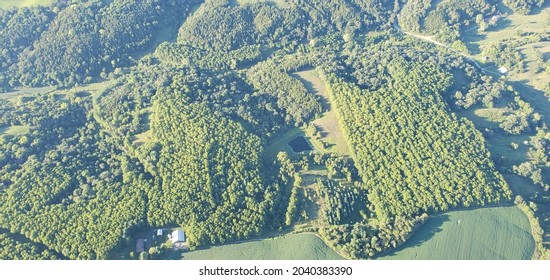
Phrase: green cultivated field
(481,234)
(289,247)
(23,3)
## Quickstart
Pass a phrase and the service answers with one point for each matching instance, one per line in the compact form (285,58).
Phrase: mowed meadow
(481,234)
(288,247)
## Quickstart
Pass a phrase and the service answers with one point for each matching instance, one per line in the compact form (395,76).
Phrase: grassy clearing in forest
(279,3)
(508,28)
(535,74)
(24,3)
(500,144)
(327,125)
(15,130)
(280,144)
(331,138)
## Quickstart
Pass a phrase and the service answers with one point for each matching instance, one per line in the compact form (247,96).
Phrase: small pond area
(299,144)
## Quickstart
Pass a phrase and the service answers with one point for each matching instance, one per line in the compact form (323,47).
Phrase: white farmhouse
(502,70)
(178,236)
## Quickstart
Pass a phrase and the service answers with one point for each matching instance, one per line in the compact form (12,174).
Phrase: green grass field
(534,73)
(508,28)
(23,3)
(145,137)
(15,130)
(480,234)
(25,92)
(496,115)
(288,247)
(279,3)
(328,124)
(521,185)
(281,143)
(532,81)
(500,143)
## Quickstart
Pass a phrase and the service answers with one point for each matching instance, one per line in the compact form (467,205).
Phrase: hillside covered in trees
(120,117)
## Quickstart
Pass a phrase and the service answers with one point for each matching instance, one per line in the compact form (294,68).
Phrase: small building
(502,70)
(159,232)
(178,236)
(494,19)
(140,245)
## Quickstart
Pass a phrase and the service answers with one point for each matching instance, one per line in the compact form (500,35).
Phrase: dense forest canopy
(434,163)
(73,43)
(177,113)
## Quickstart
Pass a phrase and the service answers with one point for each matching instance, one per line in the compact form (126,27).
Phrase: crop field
(288,247)
(24,3)
(480,234)
(328,124)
